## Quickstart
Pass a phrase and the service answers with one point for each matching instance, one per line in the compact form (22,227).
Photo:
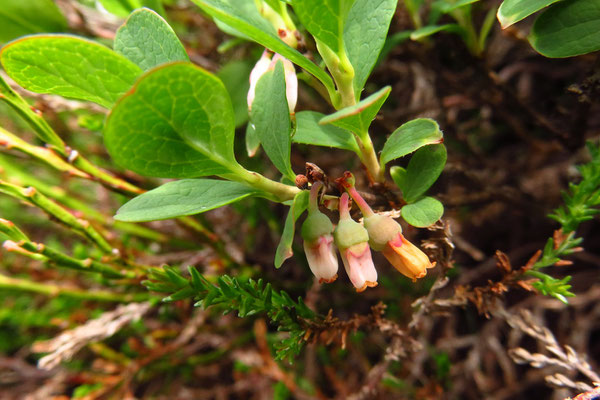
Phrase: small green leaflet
(358,118)
(325,20)
(512,11)
(20,18)
(120,8)
(147,40)
(365,33)
(243,16)
(284,249)
(176,122)
(567,29)
(445,6)
(183,197)
(422,213)
(308,131)
(429,30)
(410,137)
(424,168)
(270,116)
(69,66)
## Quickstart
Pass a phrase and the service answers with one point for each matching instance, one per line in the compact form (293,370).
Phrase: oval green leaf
(69,66)
(284,249)
(243,16)
(422,213)
(271,118)
(424,168)
(183,197)
(147,40)
(365,34)
(176,122)
(358,118)
(410,137)
(308,131)
(325,20)
(567,29)
(20,18)
(512,11)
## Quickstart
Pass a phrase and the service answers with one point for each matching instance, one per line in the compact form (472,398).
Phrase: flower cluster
(355,241)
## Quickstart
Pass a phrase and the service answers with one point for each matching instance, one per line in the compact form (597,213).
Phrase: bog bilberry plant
(176,120)
(163,116)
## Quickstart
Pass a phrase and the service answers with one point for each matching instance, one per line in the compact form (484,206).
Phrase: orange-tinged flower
(407,258)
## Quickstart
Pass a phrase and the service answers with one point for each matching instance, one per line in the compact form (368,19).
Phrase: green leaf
(183,197)
(358,118)
(181,294)
(276,5)
(410,137)
(433,29)
(365,33)
(243,16)
(423,213)
(69,66)
(148,40)
(284,249)
(236,78)
(20,18)
(567,29)
(120,8)
(176,122)
(424,168)
(446,7)
(308,131)
(325,20)
(512,11)
(270,116)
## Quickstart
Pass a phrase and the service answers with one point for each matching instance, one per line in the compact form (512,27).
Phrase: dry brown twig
(65,345)
(563,357)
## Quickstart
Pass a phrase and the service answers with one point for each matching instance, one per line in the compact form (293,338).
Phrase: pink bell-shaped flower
(352,240)
(318,241)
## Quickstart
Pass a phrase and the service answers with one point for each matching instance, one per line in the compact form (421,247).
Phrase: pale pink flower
(352,240)
(318,241)
(264,64)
